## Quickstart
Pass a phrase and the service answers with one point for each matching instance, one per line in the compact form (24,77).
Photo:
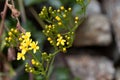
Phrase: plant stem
(22,10)
(34,13)
(50,65)
(3,15)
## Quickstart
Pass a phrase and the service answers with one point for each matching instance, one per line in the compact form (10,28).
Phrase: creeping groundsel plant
(59,30)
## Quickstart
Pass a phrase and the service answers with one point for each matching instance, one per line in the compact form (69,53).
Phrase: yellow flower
(27,35)
(9,39)
(6,38)
(58,35)
(12,29)
(28,42)
(34,46)
(58,10)
(76,22)
(62,7)
(10,33)
(60,23)
(69,9)
(33,61)
(49,39)
(15,30)
(60,41)
(23,48)
(57,18)
(20,39)
(67,43)
(49,26)
(20,56)
(48,31)
(64,15)
(76,18)
(37,63)
(64,50)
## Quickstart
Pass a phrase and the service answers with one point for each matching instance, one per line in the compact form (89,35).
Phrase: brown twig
(3,15)
(22,10)
(12,1)
(15,14)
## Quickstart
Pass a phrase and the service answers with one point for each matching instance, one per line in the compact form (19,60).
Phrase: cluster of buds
(12,38)
(38,67)
(46,57)
(28,68)
(59,26)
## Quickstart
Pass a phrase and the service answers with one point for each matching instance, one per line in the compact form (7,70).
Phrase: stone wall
(96,49)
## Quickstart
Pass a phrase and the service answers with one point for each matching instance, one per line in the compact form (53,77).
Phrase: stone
(88,67)
(93,7)
(117,74)
(94,31)
(112,9)
(116,26)
(107,6)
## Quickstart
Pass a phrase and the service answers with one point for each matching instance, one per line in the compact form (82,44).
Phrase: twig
(15,14)
(3,15)
(22,10)
(34,13)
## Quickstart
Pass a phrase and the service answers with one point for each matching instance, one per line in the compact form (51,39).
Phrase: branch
(15,14)
(3,15)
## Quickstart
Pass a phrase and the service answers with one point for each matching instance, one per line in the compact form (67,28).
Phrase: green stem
(34,13)
(50,65)
(34,57)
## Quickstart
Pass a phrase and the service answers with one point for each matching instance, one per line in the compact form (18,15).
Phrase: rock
(116,26)
(95,31)
(117,74)
(93,7)
(87,67)
(107,6)
(112,9)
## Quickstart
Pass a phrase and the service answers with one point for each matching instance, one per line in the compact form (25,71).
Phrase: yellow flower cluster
(48,29)
(60,40)
(57,18)
(50,40)
(63,13)
(26,44)
(29,69)
(35,63)
(76,19)
(12,37)
(59,26)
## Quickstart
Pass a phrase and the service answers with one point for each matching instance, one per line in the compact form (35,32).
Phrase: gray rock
(95,31)
(93,7)
(117,74)
(87,67)
(116,25)
(108,6)
(112,9)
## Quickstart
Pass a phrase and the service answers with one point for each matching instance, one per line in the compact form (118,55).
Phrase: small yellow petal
(62,7)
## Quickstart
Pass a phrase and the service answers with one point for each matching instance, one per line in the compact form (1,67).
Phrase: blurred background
(95,54)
